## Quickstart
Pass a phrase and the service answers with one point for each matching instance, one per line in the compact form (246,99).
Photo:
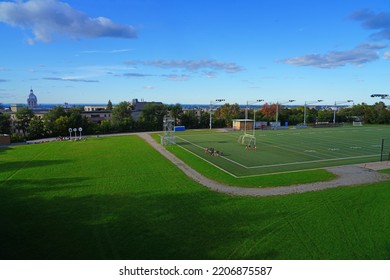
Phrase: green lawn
(117,198)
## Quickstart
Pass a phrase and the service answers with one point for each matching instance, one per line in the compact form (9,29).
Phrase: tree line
(58,120)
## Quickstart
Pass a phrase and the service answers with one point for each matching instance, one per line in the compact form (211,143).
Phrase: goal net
(385,150)
(247,139)
(357,123)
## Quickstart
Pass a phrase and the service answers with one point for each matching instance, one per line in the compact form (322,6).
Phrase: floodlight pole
(211,108)
(304,111)
(335,108)
(254,115)
(277,109)
(246,110)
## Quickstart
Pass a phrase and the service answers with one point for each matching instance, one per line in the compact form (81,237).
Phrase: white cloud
(50,18)
(70,79)
(358,56)
(192,65)
(136,75)
(374,21)
(386,55)
(178,78)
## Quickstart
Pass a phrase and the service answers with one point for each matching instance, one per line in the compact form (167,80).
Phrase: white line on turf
(220,168)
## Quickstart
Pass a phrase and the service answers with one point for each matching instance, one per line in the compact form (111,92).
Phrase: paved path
(346,176)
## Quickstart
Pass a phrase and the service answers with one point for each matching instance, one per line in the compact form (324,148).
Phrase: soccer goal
(385,150)
(247,139)
(357,124)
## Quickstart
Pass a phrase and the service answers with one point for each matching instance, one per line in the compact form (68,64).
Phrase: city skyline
(192,52)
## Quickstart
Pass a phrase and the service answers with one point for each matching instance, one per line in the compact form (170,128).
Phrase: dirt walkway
(346,176)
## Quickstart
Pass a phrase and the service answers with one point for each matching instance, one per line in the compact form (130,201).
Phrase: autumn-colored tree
(269,110)
(227,113)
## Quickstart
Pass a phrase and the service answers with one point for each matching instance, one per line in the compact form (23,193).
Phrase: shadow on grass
(16,165)
(3,148)
(39,221)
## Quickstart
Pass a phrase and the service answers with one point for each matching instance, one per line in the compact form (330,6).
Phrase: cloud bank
(374,21)
(50,18)
(70,80)
(191,65)
(357,56)
(386,55)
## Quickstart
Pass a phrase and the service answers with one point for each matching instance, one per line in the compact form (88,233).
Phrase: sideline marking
(209,162)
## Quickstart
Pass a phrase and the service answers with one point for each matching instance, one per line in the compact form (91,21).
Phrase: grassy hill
(117,198)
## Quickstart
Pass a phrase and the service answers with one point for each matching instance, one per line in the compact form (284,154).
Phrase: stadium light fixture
(212,102)
(382,96)
(277,108)
(335,108)
(309,103)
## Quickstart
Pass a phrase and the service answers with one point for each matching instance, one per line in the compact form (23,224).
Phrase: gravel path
(346,176)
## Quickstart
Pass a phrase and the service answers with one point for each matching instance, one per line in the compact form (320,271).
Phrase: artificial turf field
(287,150)
(117,198)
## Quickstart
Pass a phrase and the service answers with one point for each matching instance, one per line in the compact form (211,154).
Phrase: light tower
(335,108)
(304,111)
(248,103)
(277,110)
(211,109)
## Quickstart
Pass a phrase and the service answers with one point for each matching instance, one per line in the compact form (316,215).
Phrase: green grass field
(287,150)
(117,198)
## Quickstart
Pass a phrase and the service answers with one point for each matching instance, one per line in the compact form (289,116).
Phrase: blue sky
(178,51)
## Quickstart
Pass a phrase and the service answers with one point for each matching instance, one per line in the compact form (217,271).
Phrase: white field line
(228,159)
(279,172)
(209,162)
(311,161)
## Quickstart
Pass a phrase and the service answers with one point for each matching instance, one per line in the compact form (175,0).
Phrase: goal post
(357,123)
(247,139)
(385,150)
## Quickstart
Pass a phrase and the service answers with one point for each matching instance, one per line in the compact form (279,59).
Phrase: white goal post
(357,124)
(247,139)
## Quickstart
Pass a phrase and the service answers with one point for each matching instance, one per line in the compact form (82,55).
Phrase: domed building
(32,100)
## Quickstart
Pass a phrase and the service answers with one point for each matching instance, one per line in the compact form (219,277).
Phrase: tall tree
(325,115)
(269,110)
(121,117)
(62,125)
(75,117)
(109,105)
(175,111)
(5,123)
(36,129)
(152,116)
(50,118)
(23,118)
(190,120)
(226,113)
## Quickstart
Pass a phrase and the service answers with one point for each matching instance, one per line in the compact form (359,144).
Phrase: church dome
(32,99)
